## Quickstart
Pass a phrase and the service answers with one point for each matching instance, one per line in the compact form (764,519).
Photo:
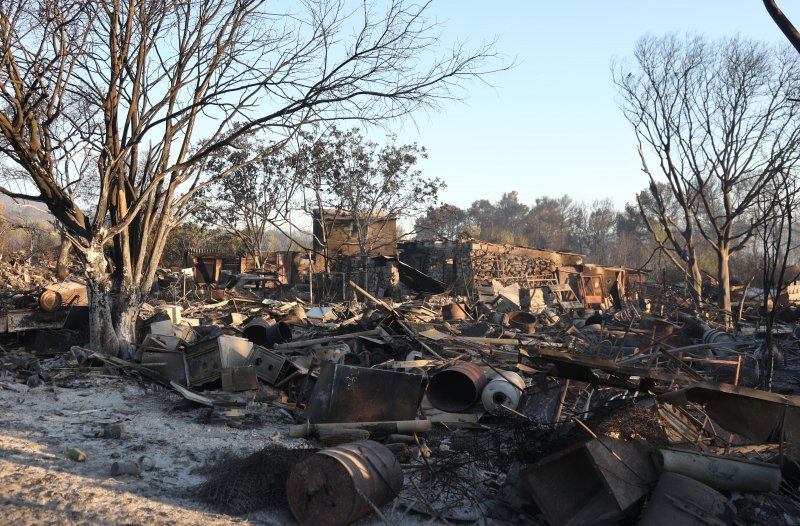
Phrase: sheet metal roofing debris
(539,387)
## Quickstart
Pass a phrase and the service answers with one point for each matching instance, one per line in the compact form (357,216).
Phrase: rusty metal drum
(50,301)
(339,485)
(456,388)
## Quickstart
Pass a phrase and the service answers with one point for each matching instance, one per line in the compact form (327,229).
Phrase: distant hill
(23,211)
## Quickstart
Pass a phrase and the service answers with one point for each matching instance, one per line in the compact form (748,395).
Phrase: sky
(552,125)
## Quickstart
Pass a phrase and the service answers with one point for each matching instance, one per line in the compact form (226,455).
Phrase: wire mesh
(243,485)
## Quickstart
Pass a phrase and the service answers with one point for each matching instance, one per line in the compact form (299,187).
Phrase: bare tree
(348,176)
(251,198)
(667,212)
(134,84)
(718,119)
(776,206)
(445,221)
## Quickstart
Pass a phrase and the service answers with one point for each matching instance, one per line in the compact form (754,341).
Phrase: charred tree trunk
(113,308)
(724,284)
(783,23)
(62,264)
(696,280)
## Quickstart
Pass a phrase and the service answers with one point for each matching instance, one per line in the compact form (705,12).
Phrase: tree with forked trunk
(151,89)
(718,118)
(346,176)
(251,199)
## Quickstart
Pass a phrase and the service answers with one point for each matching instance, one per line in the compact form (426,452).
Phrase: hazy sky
(552,125)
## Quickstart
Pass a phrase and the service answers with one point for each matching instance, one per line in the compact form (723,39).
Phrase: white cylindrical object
(504,390)
(723,473)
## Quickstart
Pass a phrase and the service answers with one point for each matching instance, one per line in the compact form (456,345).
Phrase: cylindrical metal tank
(50,300)
(504,390)
(335,486)
(715,336)
(523,321)
(723,473)
(454,311)
(456,388)
(266,332)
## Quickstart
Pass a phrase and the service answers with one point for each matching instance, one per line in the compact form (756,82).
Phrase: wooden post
(738,370)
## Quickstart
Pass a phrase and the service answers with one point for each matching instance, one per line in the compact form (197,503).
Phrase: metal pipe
(457,388)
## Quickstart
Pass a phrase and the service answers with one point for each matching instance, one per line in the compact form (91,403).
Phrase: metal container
(359,394)
(504,390)
(339,485)
(203,362)
(749,373)
(297,316)
(523,321)
(723,473)
(268,365)
(678,499)
(50,300)
(266,332)
(597,482)
(456,388)
(454,311)
(715,336)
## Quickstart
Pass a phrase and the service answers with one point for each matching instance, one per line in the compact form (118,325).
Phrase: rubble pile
(520,406)
(20,273)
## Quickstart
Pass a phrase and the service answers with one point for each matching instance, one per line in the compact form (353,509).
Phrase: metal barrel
(125,468)
(297,316)
(715,336)
(749,373)
(523,321)
(266,332)
(454,311)
(678,499)
(50,300)
(723,473)
(456,388)
(340,485)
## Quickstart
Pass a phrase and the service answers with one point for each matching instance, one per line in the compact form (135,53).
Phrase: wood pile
(507,268)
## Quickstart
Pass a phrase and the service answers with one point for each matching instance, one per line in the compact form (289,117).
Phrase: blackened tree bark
(783,23)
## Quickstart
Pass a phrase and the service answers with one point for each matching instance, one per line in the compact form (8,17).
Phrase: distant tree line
(604,234)
(555,223)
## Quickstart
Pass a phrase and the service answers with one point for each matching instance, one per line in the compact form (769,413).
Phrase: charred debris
(459,381)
